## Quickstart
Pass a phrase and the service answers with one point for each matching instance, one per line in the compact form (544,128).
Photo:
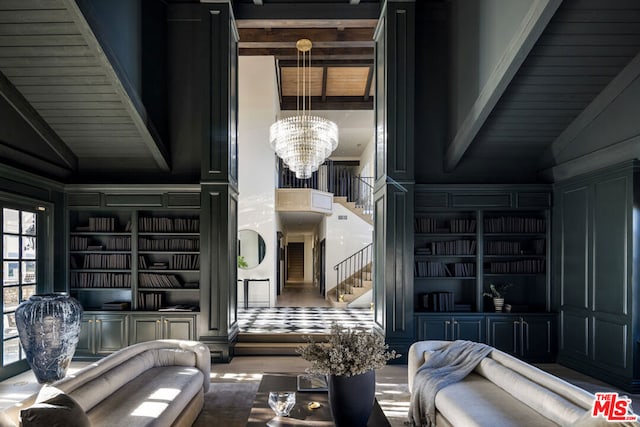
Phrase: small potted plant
(348,359)
(497,292)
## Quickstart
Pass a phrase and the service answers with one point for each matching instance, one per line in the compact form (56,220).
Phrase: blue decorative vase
(351,398)
(48,326)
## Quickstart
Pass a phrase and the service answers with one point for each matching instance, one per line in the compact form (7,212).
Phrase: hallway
(301,294)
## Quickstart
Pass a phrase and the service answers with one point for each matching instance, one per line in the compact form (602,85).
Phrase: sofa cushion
(474,400)
(159,396)
(542,400)
(53,408)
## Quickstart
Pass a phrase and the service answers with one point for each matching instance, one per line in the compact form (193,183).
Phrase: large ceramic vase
(351,398)
(48,326)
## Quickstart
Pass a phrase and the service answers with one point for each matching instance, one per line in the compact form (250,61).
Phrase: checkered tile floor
(302,320)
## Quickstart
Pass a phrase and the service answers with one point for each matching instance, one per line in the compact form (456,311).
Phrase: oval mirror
(251,249)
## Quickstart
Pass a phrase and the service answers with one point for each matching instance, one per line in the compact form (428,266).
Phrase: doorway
(295,262)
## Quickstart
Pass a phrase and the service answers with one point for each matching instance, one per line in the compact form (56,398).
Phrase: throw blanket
(442,368)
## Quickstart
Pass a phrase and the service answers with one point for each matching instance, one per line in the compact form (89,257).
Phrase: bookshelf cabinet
(468,237)
(135,259)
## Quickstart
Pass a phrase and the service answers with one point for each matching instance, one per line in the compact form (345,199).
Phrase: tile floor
(303,320)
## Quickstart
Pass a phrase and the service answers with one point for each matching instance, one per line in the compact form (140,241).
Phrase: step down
(272,344)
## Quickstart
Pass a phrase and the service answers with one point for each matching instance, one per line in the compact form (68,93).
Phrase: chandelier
(303,141)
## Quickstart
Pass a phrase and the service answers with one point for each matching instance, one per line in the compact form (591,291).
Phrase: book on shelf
(179,307)
(116,305)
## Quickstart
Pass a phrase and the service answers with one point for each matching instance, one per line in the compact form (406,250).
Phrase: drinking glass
(282,402)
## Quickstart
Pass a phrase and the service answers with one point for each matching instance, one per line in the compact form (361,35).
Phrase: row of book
(103,224)
(536,247)
(513,224)
(177,262)
(100,280)
(525,266)
(79,243)
(168,225)
(168,244)
(115,261)
(441,269)
(439,301)
(116,305)
(426,224)
(150,300)
(454,247)
(151,280)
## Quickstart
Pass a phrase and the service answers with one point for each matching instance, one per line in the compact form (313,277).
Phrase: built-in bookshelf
(445,260)
(168,261)
(135,260)
(515,253)
(458,253)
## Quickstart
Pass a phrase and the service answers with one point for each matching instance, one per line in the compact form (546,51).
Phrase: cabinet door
(538,338)
(145,328)
(110,333)
(180,328)
(435,328)
(503,333)
(468,328)
(86,338)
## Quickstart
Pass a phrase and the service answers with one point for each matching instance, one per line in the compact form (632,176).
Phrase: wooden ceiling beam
(331,103)
(316,35)
(306,23)
(326,11)
(367,89)
(319,54)
(330,62)
(324,83)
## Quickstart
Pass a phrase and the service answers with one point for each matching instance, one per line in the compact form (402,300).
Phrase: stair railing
(350,272)
(339,179)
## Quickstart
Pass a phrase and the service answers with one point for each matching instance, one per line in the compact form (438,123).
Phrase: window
(19,273)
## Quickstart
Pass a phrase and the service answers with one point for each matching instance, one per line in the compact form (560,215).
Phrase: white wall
(257,167)
(343,238)
(367,165)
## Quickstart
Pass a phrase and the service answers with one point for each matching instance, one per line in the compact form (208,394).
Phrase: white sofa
(504,392)
(155,383)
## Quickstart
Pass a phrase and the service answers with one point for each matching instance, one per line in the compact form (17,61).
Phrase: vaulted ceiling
(57,75)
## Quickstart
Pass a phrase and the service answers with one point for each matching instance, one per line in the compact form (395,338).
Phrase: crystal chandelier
(303,141)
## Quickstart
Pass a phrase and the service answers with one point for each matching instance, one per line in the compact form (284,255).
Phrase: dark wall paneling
(574,249)
(432,199)
(400,90)
(83,200)
(187,85)
(574,337)
(610,334)
(534,200)
(213,201)
(598,267)
(380,248)
(380,37)
(484,200)
(175,200)
(150,200)
(610,246)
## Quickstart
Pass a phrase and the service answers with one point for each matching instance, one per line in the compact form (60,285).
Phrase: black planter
(351,398)
(48,326)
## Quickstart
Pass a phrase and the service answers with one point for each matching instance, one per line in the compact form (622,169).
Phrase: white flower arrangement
(347,352)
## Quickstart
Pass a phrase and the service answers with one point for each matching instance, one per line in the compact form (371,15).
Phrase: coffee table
(261,414)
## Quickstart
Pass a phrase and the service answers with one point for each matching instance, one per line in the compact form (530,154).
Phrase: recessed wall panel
(574,247)
(574,333)
(610,246)
(610,343)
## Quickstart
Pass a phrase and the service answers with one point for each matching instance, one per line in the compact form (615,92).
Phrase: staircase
(272,344)
(359,211)
(354,278)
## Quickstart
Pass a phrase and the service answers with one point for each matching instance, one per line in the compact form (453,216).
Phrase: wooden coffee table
(261,414)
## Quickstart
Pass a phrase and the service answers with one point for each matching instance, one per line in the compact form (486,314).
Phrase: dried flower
(347,352)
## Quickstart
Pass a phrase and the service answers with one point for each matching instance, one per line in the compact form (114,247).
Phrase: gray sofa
(504,392)
(155,383)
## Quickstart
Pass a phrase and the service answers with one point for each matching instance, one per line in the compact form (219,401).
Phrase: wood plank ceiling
(51,58)
(342,58)
(586,44)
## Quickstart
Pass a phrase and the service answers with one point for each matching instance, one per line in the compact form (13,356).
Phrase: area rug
(229,403)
